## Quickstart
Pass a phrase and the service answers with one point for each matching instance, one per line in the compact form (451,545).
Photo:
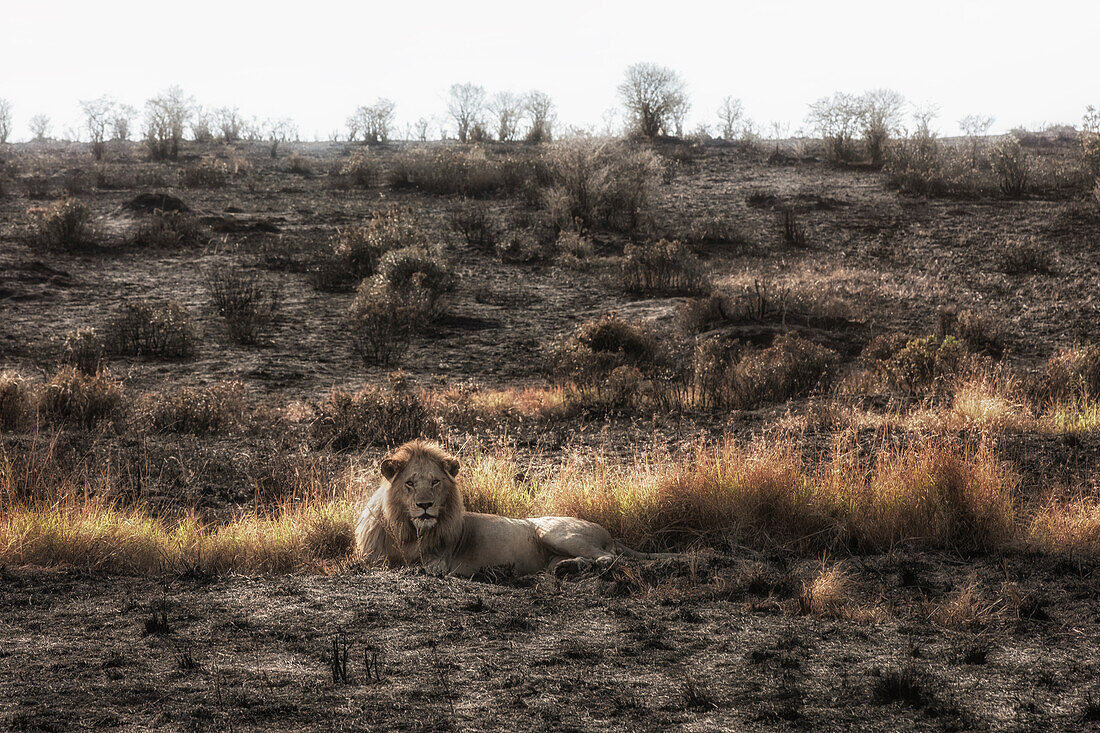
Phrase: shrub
(469,172)
(16,401)
(913,165)
(67,224)
(248,305)
(419,279)
(207,174)
(372,417)
(574,249)
(159,330)
(330,272)
(81,399)
(1011,165)
(167,229)
(732,374)
(794,233)
(200,410)
(922,364)
(300,165)
(381,325)
(1023,257)
(1073,373)
(662,268)
(655,99)
(609,356)
(476,225)
(360,169)
(1090,143)
(363,246)
(980,333)
(84,349)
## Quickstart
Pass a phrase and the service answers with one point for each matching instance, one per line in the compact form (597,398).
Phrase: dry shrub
(16,401)
(963,609)
(476,225)
(360,169)
(84,349)
(979,332)
(1011,165)
(371,417)
(988,403)
(574,249)
(380,324)
(608,358)
(245,301)
(1023,257)
(418,278)
(1072,373)
(66,225)
(300,165)
(827,594)
(167,229)
(361,247)
(731,374)
(81,399)
(919,364)
(467,172)
(663,268)
(200,410)
(157,330)
(599,183)
(207,174)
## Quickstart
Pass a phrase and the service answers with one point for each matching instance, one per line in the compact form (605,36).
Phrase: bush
(381,326)
(921,364)
(300,165)
(67,225)
(1073,373)
(81,399)
(200,410)
(663,268)
(330,272)
(1011,165)
(476,225)
(159,330)
(16,401)
(363,246)
(594,183)
(470,172)
(247,304)
(732,374)
(418,279)
(83,349)
(167,229)
(913,165)
(606,356)
(373,417)
(207,174)
(1023,257)
(360,169)
(978,332)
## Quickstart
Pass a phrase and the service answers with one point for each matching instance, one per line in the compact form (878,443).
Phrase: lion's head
(421,502)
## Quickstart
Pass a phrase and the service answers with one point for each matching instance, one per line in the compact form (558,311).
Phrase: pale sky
(1024,63)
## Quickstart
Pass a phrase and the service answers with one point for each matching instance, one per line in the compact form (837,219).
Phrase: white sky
(1025,63)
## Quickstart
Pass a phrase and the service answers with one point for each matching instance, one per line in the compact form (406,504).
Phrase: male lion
(416,516)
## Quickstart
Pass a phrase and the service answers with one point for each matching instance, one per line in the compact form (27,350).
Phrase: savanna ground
(868,416)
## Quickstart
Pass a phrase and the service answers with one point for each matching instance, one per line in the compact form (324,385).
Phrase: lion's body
(420,477)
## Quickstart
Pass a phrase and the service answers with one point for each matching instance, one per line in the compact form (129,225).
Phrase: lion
(416,516)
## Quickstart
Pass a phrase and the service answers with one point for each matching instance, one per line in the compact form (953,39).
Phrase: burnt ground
(701,645)
(647,647)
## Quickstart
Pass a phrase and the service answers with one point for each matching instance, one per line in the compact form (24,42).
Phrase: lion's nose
(425,505)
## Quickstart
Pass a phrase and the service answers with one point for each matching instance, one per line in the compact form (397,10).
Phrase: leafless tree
(229,123)
(5,120)
(40,127)
(121,121)
(506,109)
(730,115)
(976,127)
(880,117)
(166,116)
(421,128)
(98,114)
(837,119)
(654,97)
(539,108)
(203,125)
(466,105)
(373,121)
(278,131)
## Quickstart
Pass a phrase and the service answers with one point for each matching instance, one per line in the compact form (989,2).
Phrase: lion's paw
(572,566)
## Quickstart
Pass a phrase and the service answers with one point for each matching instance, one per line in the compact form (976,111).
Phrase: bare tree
(654,97)
(421,129)
(278,131)
(202,125)
(506,109)
(373,122)
(165,118)
(121,121)
(229,123)
(98,114)
(466,105)
(837,119)
(880,116)
(976,127)
(40,127)
(730,116)
(539,108)
(5,120)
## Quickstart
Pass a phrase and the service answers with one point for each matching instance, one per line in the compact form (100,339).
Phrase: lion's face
(424,488)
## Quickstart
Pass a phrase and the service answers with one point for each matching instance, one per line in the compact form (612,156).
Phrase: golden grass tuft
(1067,525)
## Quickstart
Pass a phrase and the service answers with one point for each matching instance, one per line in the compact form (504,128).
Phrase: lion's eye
(409,483)
(435,482)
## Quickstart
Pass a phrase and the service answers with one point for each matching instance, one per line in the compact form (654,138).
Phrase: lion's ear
(451,466)
(390,468)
